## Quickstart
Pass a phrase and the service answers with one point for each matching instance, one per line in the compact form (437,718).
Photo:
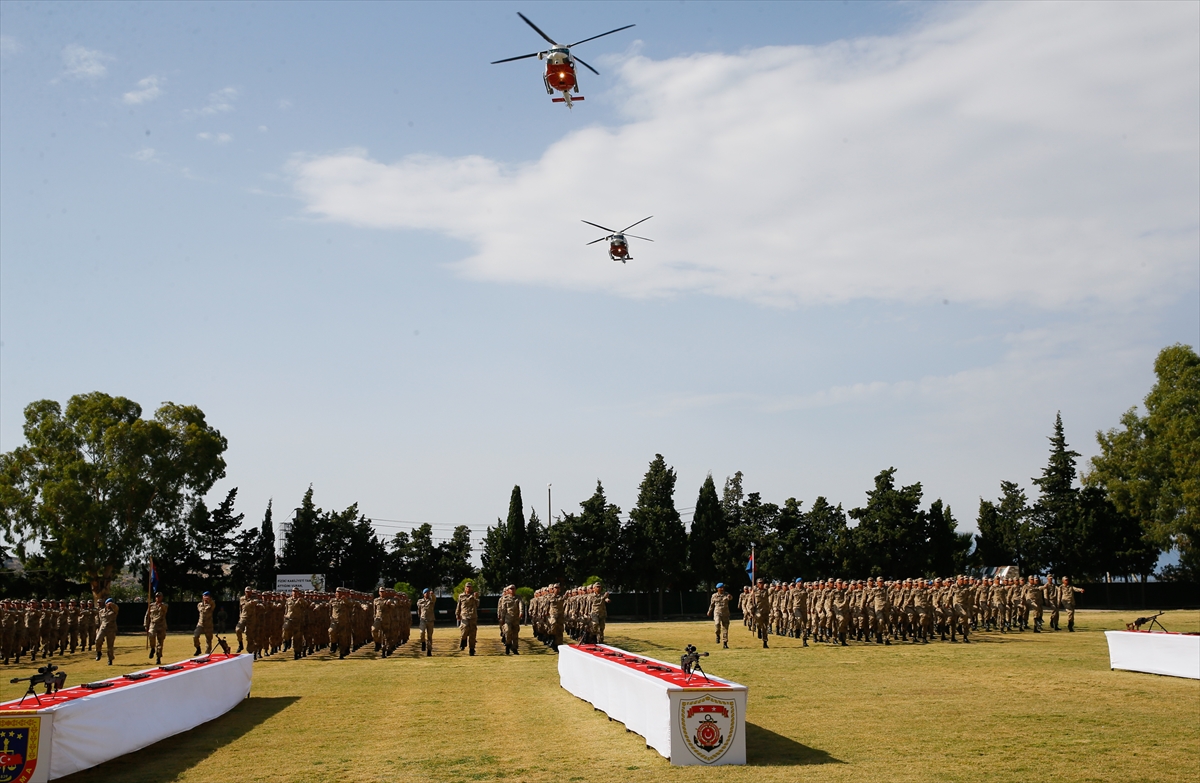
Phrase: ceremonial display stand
(1155,652)
(81,727)
(690,719)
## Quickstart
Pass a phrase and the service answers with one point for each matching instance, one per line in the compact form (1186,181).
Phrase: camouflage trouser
(722,627)
(207,632)
(157,634)
(467,632)
(427,633)
(511,632)
(106,634)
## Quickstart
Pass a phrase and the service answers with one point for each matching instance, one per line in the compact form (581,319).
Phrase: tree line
(96,489)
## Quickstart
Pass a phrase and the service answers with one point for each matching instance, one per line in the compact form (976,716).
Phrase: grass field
(1006,708)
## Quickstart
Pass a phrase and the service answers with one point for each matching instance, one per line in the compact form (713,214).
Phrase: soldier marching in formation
(916,610)
(578,612)
(46,627)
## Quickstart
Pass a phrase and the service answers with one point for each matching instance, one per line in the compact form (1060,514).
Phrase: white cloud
(1041,153)
(217,138)
(262,128)
(284,104)
(146,155)
(10,46)
(147,90)
(219,102)
(82,63)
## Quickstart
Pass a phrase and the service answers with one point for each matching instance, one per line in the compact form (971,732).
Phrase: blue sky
(885,235)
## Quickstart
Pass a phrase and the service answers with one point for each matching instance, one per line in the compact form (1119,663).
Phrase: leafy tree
(175,558)
(589,542)
(786,554)
(1150,467)
(538,559)
(1006,535)
(454,557)
(708,527)
(95,480)
(1117,542)
(890,537)
(421,558)
(496,555)
(266,543)
(655,537)
(826,540)
(350,553)
(301,547)
(947,548)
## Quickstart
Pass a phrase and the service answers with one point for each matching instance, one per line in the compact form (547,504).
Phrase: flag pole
(753,566)
(149,599)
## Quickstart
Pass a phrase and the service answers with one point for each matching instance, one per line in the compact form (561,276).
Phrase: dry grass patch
(1005,707)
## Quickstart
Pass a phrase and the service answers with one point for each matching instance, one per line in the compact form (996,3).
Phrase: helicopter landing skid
(563,100)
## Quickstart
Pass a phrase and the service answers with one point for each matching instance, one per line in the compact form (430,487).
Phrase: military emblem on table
(708,724)
(18,748)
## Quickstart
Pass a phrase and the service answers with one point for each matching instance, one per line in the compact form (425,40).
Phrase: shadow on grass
(765,748)
(171,757)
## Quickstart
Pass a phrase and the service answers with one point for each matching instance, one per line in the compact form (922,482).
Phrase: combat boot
(472,651)
(151,655)
(429,652)
(422,645)
(197,649)
(462,645)
(726,645)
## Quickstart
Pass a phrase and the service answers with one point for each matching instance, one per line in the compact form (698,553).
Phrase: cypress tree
(515,540)
(708,527)
(266,544)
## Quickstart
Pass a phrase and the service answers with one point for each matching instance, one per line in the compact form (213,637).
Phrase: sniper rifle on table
(45,676)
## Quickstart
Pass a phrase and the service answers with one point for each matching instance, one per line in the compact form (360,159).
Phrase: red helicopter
(560,63)
(618,248)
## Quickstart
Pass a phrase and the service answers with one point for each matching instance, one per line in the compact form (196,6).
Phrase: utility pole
(549,506)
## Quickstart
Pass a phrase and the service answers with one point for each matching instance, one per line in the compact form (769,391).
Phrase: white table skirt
(105,724)
(651,706)
(1172,654)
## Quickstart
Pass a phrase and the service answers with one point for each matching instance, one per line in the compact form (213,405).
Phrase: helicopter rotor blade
(510,59)
(597,225)
(601,239)
(635,236)
(585,65)
(643,220)
(538,29)
(594,37)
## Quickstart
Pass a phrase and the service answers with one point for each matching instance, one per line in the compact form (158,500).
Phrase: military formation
(837,611)
(578,612)
(306,622)
(45,628)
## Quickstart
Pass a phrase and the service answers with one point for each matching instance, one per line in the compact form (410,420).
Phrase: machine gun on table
(1137,624)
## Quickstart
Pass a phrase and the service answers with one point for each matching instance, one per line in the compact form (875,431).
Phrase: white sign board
(306,582)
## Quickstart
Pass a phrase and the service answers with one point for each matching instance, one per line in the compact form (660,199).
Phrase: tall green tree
(947,548)
(266,558)
(95,480)
(517,545)
(423,559)
(655,536)
(589,543)
(538,558)
(784,554)
(247,551)
(1150,466)
(708,527)
(301,546)
(455,556)
(889,540)
(1006,535)
(1062,539)
(733,551)
(495,557)
(212,534)
(826,537)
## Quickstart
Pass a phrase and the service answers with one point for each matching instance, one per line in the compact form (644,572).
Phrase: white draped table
(688,719)
(1173,654)
(78,728)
